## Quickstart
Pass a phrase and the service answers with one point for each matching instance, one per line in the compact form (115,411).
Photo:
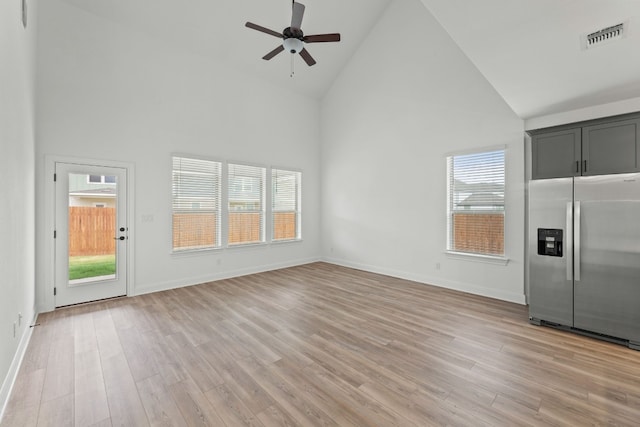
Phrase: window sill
(489,259)
(246,245)
(284,242)
(194,252)
(205,251)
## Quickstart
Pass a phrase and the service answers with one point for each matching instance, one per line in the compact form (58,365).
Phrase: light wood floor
(317,345)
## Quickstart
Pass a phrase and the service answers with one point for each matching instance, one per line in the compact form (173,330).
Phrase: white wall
(407,98)
(107,92)
(16,187)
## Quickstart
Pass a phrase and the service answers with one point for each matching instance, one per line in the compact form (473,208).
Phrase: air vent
(604,36)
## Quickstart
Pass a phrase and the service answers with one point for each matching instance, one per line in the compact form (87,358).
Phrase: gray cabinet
(556,154)
(594,148)
(611,148)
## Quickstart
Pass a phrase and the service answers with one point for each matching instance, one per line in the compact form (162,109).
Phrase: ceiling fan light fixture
(293,45)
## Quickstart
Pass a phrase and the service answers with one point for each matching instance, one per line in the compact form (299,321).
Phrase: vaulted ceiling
(529,50)
(215,28)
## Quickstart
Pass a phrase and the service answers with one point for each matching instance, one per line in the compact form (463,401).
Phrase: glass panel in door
(92,227)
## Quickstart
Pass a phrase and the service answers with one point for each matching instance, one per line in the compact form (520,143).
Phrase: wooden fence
(198,230)
(194,230)
(244,227)
(91,231)
(478,232)
(284,225)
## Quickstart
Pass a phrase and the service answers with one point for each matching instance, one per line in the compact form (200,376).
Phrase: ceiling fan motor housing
(293,39)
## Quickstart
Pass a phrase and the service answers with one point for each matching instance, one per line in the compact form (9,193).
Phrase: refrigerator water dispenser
(550,242)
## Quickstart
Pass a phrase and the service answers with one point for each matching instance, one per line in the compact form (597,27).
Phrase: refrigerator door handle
(568,241)
(576,244)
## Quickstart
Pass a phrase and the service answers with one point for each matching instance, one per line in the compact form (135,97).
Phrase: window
(196,204)
(101,179)
(219,204)
(476,203)
(246,204)
(285,204)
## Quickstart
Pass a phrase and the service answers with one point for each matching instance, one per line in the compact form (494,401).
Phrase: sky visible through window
(477,181)
(477,168)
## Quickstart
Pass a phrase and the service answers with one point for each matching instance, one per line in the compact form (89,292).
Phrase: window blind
(285,204)
(196,195)
(246,204)
(476,185)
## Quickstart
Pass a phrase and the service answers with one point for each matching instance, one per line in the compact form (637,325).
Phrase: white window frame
(297,210)
(475,256)
(261,210)
(215,198)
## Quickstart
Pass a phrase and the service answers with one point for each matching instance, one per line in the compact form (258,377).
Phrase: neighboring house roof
(482,199)
(479,187)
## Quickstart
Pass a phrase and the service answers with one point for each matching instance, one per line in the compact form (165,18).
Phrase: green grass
(82,267)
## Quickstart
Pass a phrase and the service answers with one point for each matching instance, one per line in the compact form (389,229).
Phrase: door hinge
(55,291)
(55,177)
(55,234)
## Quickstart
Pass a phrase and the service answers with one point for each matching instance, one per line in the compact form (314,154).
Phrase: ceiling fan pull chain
(292,70)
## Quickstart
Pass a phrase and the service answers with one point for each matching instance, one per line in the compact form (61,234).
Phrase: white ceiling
(529,50)
(216,28)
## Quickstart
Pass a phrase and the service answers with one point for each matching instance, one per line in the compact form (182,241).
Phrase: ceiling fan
(293,38)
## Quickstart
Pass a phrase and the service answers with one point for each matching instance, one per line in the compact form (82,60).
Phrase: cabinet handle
(585,166)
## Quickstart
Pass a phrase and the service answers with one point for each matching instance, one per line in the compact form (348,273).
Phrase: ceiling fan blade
(263,29)
(322,38)
(307,57)
(273,53)
(298,13)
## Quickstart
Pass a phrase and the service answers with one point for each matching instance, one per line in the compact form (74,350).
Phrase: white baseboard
(457,286)
(10,379)
(229,274)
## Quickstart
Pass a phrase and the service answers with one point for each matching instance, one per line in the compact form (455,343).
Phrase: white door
(91,234)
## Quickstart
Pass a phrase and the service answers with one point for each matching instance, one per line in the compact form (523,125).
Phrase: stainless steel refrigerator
(584,255)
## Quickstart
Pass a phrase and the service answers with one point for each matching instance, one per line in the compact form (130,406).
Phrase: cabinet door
(611,148)
(556,154)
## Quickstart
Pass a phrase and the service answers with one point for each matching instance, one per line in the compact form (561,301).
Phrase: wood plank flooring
(316,345)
